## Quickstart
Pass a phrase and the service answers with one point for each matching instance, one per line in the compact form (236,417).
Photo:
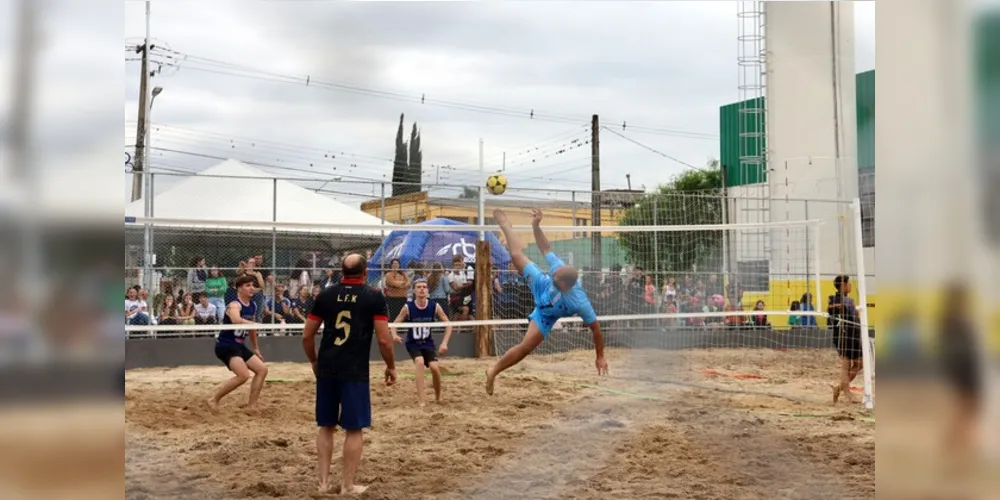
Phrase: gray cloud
(661,64)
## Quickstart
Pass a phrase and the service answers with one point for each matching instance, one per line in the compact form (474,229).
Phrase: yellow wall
(415,207)
(926,305)
(783,292)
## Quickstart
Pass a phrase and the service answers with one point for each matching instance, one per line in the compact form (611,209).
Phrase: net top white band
(209,223)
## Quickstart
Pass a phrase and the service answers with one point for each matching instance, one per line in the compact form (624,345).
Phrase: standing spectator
(461,289)
(341,367)
(714,286)
(438,286)
(806,304)
(215,287)
(329,279)
(185,312)
(397,288)
(205,312)
(315,291)
(197,276)
(649,294)
(689,287)
(299,278)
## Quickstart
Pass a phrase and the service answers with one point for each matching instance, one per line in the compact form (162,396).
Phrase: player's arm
(403,314)
(536,227)
(384,337)
(589,318)
(313,321)
(441,316)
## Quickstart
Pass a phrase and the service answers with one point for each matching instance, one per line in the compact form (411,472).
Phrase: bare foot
(421,404)
(253,410)
(213,405)
(356,489)
(489,382)
(324,491)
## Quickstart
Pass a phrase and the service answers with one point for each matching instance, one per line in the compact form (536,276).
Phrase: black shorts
(225,352)
(429,355)
(848,346)
(347,404)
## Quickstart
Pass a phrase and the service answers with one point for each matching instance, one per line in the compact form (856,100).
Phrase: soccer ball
(496,184)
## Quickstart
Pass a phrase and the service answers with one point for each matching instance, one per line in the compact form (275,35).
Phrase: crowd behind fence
(625,273)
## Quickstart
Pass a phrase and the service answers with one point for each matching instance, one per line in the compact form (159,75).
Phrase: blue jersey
(420,337)
(552,304)
(231,337)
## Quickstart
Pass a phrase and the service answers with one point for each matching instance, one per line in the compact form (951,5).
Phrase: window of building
(866,190)
(754,275)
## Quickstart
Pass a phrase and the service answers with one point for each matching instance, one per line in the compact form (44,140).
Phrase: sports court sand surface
(715,424)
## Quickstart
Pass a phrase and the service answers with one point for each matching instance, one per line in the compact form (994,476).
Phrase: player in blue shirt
(419,343)
(557,294)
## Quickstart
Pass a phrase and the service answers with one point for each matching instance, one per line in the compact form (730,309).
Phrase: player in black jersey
(231,349)
(351,314)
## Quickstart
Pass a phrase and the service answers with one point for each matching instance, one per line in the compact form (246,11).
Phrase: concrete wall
(812,124)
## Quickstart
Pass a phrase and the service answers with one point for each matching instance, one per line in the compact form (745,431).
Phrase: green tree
(400,163)
(414,172)
(691,198)
(469,193)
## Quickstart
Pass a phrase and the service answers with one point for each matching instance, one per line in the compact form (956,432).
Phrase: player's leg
(418,366)
(356,415)
(532,339)
(515,246)
(327,410)
(430,359)
(240,376)
(259,369)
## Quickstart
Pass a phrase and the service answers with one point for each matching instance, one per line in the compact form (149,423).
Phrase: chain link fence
(211,227)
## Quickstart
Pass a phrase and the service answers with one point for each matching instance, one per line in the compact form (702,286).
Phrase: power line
(661,153)
(170,57)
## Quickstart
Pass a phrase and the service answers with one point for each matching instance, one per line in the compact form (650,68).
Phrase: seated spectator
(168,311)
(136,310)
(185,313)
(759,320)
(299,307)
(205,313)
(277,309)
(794,320)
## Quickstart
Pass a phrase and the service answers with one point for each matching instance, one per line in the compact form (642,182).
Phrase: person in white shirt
(136,310)
(205,313)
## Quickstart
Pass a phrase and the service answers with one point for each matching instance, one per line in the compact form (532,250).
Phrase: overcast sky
(662,67)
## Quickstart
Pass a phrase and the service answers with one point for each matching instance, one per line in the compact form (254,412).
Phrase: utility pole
(628,180)
(595,196)
(140,131)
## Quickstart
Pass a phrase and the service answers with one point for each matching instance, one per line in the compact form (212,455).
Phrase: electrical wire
(169,57)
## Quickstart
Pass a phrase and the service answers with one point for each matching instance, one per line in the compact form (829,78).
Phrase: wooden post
(484,297)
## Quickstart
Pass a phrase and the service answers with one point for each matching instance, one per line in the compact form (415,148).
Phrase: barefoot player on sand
(557,294)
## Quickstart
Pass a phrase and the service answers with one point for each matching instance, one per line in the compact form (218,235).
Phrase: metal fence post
(573,208)
(147,230)
(381,266)
(274,240)
(809,264)
(656,240)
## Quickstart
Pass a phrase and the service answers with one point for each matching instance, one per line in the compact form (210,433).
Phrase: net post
(818,286)
(484,297)
(866,346)
(274,241)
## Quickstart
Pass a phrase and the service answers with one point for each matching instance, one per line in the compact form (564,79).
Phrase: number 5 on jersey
(342,326)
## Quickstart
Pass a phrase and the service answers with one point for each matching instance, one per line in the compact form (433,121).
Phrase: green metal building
(741,137)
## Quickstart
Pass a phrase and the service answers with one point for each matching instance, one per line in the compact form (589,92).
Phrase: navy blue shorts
(344,404)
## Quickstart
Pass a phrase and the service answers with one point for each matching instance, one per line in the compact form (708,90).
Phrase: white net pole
(866,345)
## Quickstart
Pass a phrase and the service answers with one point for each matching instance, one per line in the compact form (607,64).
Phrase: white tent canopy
(210,196)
